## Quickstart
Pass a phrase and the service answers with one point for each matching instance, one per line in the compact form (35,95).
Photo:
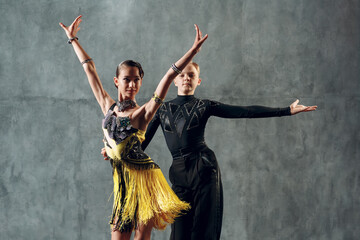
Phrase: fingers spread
(76,19)
(294,103)
(78,22)
(196,27)
(205,37)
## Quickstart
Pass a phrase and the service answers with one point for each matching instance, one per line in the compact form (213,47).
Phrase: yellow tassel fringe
(148,196)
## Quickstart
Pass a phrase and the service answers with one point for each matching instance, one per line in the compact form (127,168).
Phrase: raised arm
(162,88)
(103,98)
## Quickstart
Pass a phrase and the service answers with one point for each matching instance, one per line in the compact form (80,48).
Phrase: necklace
(123,105)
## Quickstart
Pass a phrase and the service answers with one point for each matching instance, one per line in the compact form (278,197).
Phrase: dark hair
(130,63)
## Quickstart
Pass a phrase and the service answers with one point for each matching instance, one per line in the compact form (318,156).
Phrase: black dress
(194,173)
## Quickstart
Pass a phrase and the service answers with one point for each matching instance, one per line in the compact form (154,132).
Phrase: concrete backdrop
(284,178)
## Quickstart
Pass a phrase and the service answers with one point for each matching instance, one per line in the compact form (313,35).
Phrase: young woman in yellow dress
(142,197)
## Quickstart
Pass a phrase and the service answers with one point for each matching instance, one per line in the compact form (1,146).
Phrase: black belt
(187,150)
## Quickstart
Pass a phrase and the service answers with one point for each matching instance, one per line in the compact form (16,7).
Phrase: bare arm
(162,88)
(102,97)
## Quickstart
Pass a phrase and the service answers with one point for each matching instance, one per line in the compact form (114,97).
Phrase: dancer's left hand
(199,39)
(295,108)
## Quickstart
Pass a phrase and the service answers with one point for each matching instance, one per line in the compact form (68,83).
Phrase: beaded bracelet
(86,61)
(178,71)
(72,39)
(157,99)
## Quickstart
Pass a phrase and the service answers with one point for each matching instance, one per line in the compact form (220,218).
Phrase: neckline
(125,104)
(111,112)
(181,99)
(114,113)
(128,117)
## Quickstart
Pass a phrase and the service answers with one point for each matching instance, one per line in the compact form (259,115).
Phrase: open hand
(295,108)
(72,30)
(199,39)
(103,152)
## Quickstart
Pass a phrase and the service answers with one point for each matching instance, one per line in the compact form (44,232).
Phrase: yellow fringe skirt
(141,196)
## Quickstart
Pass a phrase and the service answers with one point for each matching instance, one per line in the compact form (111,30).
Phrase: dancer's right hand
(72,30)
(103,152)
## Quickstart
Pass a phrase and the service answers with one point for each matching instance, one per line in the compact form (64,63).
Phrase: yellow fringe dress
(141,192)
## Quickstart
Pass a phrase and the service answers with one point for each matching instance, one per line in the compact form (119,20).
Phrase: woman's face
(128,82)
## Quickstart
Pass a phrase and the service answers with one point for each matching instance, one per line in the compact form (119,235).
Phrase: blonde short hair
(196,66)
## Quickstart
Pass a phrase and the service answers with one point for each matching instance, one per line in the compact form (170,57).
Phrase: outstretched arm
(103,98)
(162,88)
(231,111)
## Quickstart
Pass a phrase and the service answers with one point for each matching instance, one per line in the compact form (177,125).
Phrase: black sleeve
(229,111)
(151,130)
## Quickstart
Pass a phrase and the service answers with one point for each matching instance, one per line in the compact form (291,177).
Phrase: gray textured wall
(285,178)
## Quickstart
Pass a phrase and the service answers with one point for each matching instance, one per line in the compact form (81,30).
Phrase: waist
(188,150)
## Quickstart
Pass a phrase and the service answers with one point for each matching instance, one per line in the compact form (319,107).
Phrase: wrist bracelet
(86,61)
(157,99)
(72,39)
(178,71)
